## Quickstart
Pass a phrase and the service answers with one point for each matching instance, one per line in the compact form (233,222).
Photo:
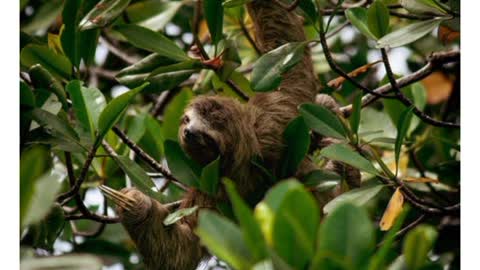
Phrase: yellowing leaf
(402,162)
(420,180)
(337,82)
(394,208)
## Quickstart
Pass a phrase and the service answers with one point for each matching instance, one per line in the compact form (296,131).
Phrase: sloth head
(215,126)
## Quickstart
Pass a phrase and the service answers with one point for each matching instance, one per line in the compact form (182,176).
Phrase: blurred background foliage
(88,66)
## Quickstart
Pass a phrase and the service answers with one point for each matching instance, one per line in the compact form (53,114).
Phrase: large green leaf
(146,65)
(88,103)
(103,13)
(378,18)
(356,113)
(297,139)
(41,78)
(149,40)
(346,237)
(322,180)
(345,153)
(34,162)
(45,191)
(403,125)
(138,176)
(417,244)
(58,65)
(289,217)
(54,124)
(75,43)
(358,196)
(427,7)
(210,177)
(223,239)
(267,71)
(179,214)
(213,12)
(358,17)
(70,262)
(153,14)
(322,120)
(408,34)
(181,166)
(252,233)
(114,111)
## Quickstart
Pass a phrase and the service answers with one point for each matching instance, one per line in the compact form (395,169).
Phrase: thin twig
(127,58)
(407,102)
(237,90)
(337,69)
(434,61)
(406,229)
(84,212)
(147,158)
(249,37)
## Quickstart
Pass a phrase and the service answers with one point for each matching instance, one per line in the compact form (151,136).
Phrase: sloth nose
(189,134)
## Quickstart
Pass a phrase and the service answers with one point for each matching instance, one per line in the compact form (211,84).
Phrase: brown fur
(239,132)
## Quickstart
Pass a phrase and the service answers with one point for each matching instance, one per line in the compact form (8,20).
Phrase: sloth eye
(185,119)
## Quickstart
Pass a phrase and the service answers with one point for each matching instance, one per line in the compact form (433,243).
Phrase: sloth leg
(173,247)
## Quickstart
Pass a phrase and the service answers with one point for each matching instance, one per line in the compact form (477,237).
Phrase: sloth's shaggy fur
(238,132)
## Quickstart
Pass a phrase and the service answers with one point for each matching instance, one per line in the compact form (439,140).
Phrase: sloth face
(203,130)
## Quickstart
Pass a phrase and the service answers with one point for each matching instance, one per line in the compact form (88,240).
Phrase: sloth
(214,126)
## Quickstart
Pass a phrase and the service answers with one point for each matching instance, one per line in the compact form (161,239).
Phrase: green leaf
(234,3)
(54,125)
(114,111)
(70,262)
(103,13)
(173,114)
(45,191)
(88,103)
(34,162)
(251,231)
(403,125)
(172,218)
(322,120)
(223,239)
(358,196)
(138,176)
(347,235)
(322,180)
(358,18)
(149,40)
(41,78)
(346,154)
(146,65)
(289,217)
(181,166)
(378,260)
(58,65)
(268,69)
(158,83)
(378,19)
(210,177)
(297,139)
(408,34)
(310,10)
(153,14)
(75,43)
(427,7)
(417,244)
(356,113)
(213,12)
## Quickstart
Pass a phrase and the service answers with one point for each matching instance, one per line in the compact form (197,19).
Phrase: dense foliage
(103,85)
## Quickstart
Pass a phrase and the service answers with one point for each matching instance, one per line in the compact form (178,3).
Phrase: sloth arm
(173,247)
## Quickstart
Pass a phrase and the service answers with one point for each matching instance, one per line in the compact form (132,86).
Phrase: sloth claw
(122,200)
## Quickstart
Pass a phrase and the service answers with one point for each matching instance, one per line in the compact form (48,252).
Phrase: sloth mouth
(200,146)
